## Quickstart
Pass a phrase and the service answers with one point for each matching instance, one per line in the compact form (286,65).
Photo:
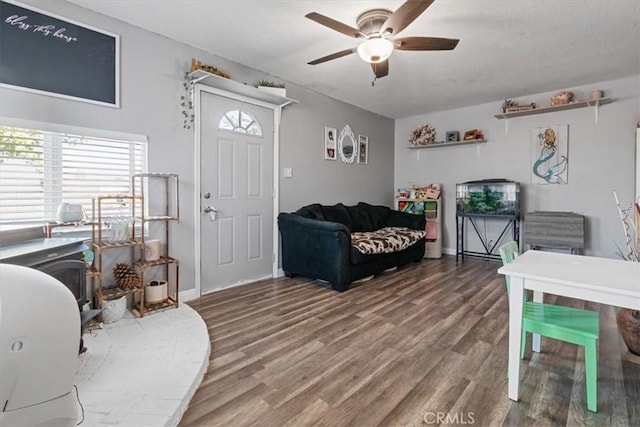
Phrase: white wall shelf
(577,104)
(208,79)
(446,144)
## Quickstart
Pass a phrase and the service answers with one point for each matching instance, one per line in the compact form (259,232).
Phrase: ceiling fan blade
(335,25)
(405,15)
(425,43)
(332,56)
(380,69)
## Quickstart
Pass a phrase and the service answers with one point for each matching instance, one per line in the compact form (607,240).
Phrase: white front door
(236,172)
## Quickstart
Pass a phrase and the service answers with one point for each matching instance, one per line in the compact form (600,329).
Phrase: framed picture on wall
(44,53)
(330,143)
(470,135)
(453,136)
(363,149)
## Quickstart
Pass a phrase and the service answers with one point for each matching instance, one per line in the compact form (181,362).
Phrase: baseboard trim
(449,251)
(188,295)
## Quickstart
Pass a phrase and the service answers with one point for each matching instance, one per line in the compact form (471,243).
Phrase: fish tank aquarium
(488,197)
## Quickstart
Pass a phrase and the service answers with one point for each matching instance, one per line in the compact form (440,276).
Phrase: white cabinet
(432,211)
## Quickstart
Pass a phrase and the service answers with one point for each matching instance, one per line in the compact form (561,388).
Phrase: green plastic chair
(573,325)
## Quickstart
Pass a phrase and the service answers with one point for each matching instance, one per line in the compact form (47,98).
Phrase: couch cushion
(385,240)
(359,219)
(313,211)
(337,213)
(377,214)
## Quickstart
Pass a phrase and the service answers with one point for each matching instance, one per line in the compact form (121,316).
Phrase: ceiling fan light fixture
(375,50)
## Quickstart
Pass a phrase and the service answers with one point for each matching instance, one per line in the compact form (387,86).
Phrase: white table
(602,280)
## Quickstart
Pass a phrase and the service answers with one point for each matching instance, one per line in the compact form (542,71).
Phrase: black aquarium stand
(510,222)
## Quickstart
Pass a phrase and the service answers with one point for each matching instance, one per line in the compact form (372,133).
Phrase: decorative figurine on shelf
(422,135)
(510,106)
(403,193)
(87,257)
(126,276)
(562,98)
(422,193)
(433,191)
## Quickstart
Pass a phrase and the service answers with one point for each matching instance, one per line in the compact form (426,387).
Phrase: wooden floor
(423,344)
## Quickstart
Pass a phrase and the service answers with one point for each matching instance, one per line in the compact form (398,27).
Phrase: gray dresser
(556,230)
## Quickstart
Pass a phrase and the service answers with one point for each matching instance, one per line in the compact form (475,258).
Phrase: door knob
(211,211)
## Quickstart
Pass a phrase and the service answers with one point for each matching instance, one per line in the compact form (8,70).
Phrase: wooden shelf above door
(208,79)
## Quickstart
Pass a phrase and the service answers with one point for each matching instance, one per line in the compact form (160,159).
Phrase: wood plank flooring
(424,345)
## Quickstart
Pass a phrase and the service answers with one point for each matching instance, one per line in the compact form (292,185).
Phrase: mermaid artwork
(547,140)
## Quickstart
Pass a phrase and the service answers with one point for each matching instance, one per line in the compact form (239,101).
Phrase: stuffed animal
(422,193)
(432,191)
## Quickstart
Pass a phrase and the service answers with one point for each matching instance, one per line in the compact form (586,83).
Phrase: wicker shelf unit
(161,190)
(102,243)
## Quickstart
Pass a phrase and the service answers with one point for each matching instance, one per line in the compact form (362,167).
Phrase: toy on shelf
(431,191)
(562,98)
(411,206)
(403,193)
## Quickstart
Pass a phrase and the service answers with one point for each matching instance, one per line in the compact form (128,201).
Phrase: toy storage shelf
(553,108)
(431,209)
(446,144)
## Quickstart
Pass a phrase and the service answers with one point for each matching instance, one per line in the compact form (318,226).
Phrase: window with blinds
(40,169)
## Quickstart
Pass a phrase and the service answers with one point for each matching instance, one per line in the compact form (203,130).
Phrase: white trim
(240,283)
(188,295)
(69,129)
(449,251)
(638,169)
(195,94)
(277,113)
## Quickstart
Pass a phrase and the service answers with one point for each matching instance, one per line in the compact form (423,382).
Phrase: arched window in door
(241,122)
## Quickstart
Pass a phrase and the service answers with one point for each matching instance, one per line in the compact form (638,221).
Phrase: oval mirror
(347,145)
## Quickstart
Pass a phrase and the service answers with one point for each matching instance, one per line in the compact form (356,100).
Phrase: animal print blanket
(385,240)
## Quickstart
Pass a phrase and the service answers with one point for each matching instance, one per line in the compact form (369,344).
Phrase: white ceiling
(508,48)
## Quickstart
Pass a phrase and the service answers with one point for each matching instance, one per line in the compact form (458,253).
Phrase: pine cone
(126,276)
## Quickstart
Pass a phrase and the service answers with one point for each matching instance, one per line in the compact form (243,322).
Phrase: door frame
(277,114)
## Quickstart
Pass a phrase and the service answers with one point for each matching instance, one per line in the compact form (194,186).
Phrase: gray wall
(601,158)
(327,181)
(152,69)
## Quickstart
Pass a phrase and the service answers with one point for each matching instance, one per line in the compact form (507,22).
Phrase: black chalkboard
(44,53)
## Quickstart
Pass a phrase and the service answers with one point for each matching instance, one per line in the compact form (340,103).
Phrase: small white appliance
(69,212)
(39,340)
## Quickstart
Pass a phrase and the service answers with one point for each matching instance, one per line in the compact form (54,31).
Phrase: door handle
(213,212)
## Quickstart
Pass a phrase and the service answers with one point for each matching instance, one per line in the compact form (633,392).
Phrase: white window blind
(41,169)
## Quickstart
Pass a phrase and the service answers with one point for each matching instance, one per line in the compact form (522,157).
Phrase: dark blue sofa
(316,242)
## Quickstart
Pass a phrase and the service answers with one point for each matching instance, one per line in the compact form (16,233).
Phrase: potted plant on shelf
(155,292)
(273,87)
